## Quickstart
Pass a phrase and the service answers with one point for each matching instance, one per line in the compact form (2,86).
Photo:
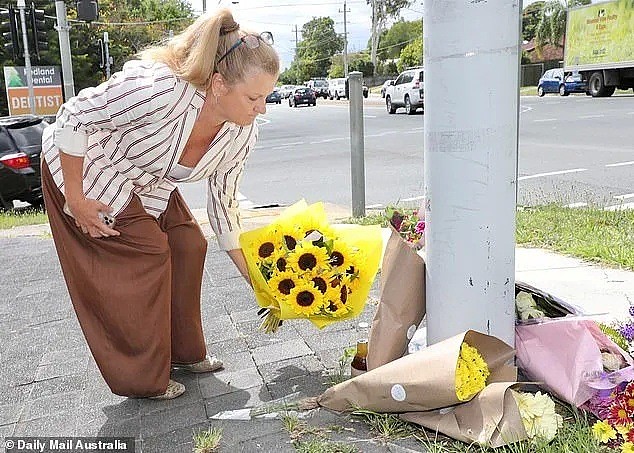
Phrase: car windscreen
(302,91)
(321,83)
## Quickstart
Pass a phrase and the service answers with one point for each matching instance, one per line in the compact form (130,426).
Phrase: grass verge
(10,219)
(528,91)
(590,233)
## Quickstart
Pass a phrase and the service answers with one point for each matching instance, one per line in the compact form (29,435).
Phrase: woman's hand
(86,214)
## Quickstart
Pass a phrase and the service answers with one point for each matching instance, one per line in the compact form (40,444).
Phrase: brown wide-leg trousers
(137,295)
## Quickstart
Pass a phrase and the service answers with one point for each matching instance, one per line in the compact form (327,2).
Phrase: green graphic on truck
(600,34)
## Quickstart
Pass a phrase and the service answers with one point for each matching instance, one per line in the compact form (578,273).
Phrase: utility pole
(63,29)
(205,6)
(296,37)
(470,166)
(345,39)
(27,57)
(106,47)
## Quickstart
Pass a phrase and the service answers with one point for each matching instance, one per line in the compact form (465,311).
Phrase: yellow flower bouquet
(303,268)
(435,377)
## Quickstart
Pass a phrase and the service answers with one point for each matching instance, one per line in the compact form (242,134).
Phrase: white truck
(600,45)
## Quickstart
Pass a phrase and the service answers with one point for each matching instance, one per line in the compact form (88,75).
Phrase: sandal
(174,390)
(207,365)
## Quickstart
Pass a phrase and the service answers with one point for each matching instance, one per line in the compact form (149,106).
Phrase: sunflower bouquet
(302,267)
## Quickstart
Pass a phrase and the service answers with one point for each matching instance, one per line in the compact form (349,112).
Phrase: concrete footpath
(50,385)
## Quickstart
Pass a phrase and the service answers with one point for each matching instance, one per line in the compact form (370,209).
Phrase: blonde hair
(193,54)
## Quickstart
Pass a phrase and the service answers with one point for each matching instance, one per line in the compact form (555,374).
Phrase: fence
(530,73)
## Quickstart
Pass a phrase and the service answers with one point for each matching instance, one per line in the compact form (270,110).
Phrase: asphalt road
(573,150)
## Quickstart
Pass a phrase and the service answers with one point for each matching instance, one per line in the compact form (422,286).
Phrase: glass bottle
(359,364)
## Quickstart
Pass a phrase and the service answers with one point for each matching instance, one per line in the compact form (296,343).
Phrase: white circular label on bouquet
(398,392)
(411,331)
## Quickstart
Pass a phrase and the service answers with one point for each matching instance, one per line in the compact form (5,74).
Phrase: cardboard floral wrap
(402,303)
(564,354)
(491,419)
(421,381)
(302,267)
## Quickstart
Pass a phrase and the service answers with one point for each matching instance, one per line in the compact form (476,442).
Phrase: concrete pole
(64,49)
(471,143)
(27,56)
(357,165)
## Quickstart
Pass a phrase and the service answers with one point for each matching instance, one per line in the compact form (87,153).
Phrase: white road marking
(545,120)
(369,116)
(374,206)
(585,117)
(412,199)
(621,164)
(624,197)
(630,113)
(619,207)
(262,121)
(581,204)
(526,109)
(552,173)
(328,140)
(287,145)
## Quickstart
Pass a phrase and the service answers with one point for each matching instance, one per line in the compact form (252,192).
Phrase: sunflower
(333,306)
(319,280)
(279,260)
(307,257)
(290,234)
(265,245)
(282,284)
(341,255)
(305,299)
(309,224)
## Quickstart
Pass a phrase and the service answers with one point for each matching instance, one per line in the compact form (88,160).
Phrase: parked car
(555,81)
(384,86)
(302,95)
(20,149)
(286,90)
(408,90)
(274,97)
(319,86)
(338,88)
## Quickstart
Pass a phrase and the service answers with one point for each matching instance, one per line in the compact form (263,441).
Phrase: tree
(399,35)
(319,43)
(382,10)
(551,28)
(411,55)
(530,18)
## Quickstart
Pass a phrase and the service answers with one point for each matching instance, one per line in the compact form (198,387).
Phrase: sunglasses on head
(251,41)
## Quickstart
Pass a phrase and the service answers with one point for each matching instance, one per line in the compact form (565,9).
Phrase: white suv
(407,91)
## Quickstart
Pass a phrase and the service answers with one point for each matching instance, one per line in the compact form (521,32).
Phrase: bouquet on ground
(571,357)
(446,373)
(615,411)
(500,414)
(409,224)
(302,267)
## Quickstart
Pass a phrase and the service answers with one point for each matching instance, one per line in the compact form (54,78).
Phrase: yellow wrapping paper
(368,239)
(421,381)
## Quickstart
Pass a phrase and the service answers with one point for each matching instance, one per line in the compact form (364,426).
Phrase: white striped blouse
(131,131)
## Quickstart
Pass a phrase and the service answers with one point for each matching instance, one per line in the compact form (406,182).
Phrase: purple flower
(627,331)
(632,310)
(420,227)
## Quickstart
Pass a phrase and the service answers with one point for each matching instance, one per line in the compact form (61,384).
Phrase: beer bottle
(359,364)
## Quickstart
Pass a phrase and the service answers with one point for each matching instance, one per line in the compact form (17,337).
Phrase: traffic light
(11,32)
(37,32)
(87,10)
